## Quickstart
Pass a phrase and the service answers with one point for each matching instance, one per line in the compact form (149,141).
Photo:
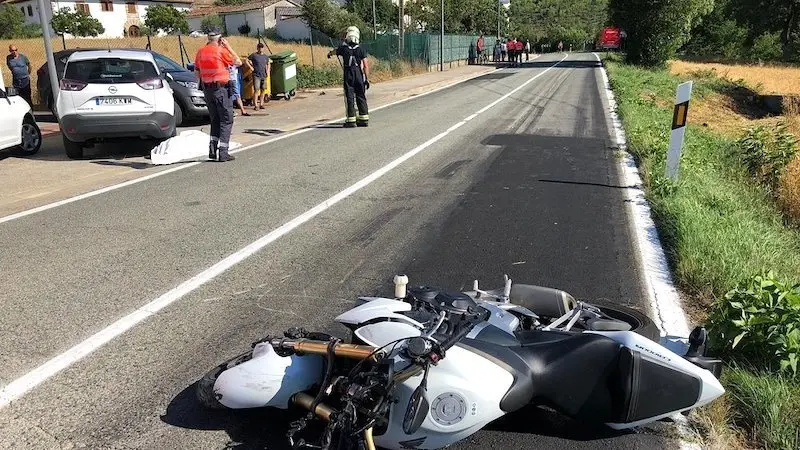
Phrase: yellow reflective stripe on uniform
(351,119)
(364,117)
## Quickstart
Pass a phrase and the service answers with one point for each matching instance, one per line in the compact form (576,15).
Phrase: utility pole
(441,43)
(51,62)
(401,13)
(498,20)
(374,22)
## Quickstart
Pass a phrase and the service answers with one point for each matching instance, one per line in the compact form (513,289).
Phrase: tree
(11,22)
(210,22)
(541,21)
(167,19)
(657,28)
(330,18)
(76,23)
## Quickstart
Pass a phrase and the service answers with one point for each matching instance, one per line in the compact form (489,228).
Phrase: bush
(758,323)
(767,47)
(244,30)
(315,77)
(766,152)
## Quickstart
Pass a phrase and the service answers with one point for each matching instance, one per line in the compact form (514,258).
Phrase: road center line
(22,385)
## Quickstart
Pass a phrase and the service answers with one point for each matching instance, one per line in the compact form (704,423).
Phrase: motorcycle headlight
(189,84)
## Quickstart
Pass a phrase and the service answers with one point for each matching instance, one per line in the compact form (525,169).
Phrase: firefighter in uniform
(211,65)
(356,73)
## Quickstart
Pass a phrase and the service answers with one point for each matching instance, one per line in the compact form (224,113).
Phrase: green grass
(767,406)
(718,227)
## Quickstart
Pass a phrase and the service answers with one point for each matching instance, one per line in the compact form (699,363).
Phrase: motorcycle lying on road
(431,367)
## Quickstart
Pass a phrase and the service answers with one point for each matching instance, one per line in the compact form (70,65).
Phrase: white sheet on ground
(189,145)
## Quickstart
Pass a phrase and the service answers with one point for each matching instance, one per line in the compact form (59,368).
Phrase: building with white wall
(259,15)
(119,17)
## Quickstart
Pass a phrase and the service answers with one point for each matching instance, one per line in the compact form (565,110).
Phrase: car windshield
(166,64)
(110,70)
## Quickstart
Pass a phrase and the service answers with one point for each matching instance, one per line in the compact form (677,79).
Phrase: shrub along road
(528,187)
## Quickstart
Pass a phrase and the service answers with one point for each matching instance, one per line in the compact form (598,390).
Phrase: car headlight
(189,84)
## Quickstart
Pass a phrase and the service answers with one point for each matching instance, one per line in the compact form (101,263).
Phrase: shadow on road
(247,429)
(266,429)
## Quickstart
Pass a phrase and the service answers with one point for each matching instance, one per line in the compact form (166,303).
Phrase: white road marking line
(658,279)
(191,164)
(30,380)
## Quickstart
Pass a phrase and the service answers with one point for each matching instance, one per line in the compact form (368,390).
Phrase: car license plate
(114,101)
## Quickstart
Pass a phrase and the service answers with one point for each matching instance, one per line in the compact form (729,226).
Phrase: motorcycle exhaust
(325,412)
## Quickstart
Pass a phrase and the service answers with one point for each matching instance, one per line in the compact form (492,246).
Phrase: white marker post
(682,96)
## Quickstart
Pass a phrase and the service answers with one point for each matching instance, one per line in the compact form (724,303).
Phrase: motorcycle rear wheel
(205,386)
(640,323)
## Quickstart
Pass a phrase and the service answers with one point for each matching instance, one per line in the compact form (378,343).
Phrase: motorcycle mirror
(417,409)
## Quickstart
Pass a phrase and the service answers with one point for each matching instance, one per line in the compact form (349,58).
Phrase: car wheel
(178,114)
(31,137)
(74,149)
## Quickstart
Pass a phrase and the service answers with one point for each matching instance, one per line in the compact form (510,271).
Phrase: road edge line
(665,303)
(185,165)
(20,386)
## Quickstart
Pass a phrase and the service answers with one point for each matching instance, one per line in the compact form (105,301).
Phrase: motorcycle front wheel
(205,386)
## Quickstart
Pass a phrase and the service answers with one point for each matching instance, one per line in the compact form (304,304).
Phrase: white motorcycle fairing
(377,308)
(268,379)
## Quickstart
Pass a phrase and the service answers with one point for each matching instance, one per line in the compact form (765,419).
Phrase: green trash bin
(283,74)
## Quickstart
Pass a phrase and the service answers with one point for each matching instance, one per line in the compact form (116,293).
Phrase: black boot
(213,151)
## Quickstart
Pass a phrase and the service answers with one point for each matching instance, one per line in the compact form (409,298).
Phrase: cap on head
(214,33)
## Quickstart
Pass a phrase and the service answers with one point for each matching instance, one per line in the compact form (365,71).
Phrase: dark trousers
(25,92)
(220,110)
(355,95)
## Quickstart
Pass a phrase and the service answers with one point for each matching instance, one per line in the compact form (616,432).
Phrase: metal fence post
(441,43)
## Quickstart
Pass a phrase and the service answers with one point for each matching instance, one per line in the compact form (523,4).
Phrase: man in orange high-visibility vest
(211,65)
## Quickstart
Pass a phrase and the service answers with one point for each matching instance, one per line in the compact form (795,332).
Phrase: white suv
(107,94)
(18,128)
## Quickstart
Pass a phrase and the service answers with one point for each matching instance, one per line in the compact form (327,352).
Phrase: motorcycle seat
(566,371)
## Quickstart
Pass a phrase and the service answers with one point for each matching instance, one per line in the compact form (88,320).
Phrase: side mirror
(190,67)
(418,407)
(11,92)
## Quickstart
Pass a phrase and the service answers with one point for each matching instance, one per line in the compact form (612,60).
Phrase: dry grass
(167,46)
(712,422)
(767,79)
(789,190)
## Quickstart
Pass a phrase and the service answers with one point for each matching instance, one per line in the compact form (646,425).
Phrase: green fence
(425,47)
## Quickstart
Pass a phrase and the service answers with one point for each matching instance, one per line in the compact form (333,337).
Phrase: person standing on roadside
(480,49)
(20,68)
(261,67)
(527,50)
(211,65)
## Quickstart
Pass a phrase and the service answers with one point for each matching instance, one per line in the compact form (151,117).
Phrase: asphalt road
(528,187)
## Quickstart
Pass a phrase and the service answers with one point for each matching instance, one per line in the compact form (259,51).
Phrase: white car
(18,128)
(110,94)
